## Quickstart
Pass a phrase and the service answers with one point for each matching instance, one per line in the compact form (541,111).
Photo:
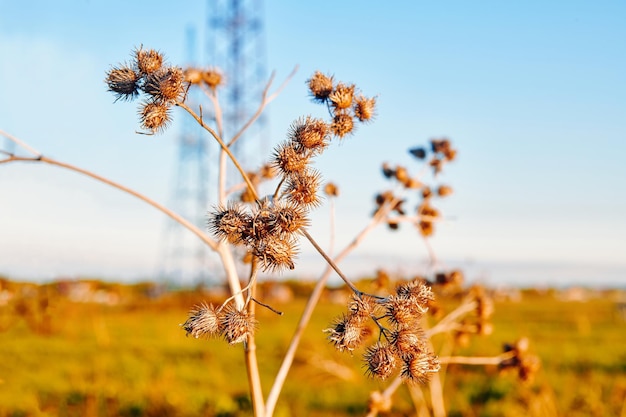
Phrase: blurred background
(531,95)
(94,283)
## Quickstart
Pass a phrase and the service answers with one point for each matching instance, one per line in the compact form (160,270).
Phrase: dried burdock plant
(390,326)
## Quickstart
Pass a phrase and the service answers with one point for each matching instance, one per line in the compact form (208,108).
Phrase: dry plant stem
(330,262)
(431,252)
(281,376)
(18,142)
(252,366)
(447,323)
(436,391)
(210,242)
(221,143)
(417,396)
(265,100)
(387,393)
(331,244)
(477,360)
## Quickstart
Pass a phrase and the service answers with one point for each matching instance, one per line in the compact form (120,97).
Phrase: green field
(64,358)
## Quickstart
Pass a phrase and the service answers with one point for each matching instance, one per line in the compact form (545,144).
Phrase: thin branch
(445,323)
(20,143)
(223,146)
(265,100)
(269,307)
(477,360)
(175,216)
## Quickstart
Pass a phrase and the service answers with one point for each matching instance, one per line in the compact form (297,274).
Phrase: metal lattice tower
(184,257)
(236,46)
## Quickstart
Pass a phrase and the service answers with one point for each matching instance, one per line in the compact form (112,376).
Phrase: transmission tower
(236,45)
(184,257)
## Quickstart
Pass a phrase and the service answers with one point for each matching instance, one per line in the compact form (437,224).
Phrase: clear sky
(532,93)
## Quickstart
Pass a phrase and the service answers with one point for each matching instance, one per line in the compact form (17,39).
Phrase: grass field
(60,357)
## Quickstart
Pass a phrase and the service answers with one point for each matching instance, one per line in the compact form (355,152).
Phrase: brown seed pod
(213,78)
(347,333)
(342,125)
(193,76)
(364,108)
(203,320)
(237,324)
(380,360)
(275,254)
(288,159)
(417,368)
(148,61)
(154,116)
(342,96)
(166,84)
(301,188)
(331,190)
(320,86)
(231,224)
(290,217)
(309,135)
(444,191)
(124,82)
(425,228)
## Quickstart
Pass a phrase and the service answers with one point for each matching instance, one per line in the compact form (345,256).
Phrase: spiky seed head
(213,78)
(347,333)
(440,145)
(418,292)
(426,228)
(419,152)
(361,307)
(437,165)
(425,209)
(444,191)
(408,342)
(275,253)
(302,187)
(417,369)
(331,190)
(124,82)
(402,312)
(380,360)
(193,76)
(230,223)
(309,134)
(401,173)
(320,86)
(450,154)
(412,184)
(267,171)
(166,84)
(148,61)
(342,125)
(203,320)
(290,217)
(237,324)
(388,172)
(288,159)
(263,220)
(154,116)
(342,96)
(364,108)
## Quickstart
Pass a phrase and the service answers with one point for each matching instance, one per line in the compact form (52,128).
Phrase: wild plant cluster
(269,229)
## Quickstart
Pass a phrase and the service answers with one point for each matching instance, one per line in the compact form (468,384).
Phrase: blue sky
(533,95)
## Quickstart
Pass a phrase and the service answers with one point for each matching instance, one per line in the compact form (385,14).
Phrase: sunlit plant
(405,315)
